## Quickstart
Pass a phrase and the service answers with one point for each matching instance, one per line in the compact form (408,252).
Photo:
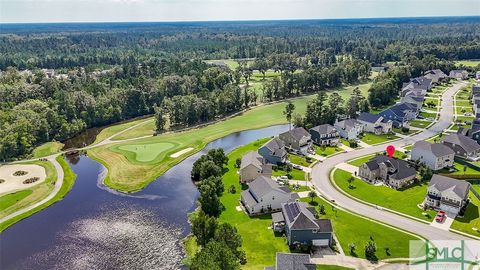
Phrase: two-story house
(459,74)
(375,123)
(349,129)
(436,156)
(274,151)
(395,173)
(324,135)
(301,226)
(252,166)
(400,113)
(436,75)
(447,194)
(463,146)
(297,140)
(265,196)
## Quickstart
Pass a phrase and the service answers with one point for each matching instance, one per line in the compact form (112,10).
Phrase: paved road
(321,175)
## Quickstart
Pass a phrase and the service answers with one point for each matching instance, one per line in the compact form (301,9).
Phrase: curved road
(321,177)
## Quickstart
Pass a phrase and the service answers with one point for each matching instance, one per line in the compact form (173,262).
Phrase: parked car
(440,217)
(297,166)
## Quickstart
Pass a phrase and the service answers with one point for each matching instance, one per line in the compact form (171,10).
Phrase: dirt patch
(181,152)
(30,175)
(2,181)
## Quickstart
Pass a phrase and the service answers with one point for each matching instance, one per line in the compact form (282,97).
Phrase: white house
(264,196)
(349,129)
(374,123)
(447,194)
(436,156)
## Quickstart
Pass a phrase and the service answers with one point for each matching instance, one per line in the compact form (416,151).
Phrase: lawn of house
(419,123)
(295,173)
(332,267)
(371,138)
(428,115)
(471,219)
(466,119)
(399,130)
(463,103)
(404,201)
(460,170)
(261,244)
(299,160)
(462,110)
(326,150)
(360,161)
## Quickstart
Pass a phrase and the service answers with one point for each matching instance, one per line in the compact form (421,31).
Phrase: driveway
(445,225)
(321,174)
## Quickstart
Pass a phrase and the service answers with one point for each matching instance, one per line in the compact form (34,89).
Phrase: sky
(27,11)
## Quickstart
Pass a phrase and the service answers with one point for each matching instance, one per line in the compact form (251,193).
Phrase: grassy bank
(47,149)
(69,179)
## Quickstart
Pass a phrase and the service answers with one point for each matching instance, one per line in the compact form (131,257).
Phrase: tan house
(252,166)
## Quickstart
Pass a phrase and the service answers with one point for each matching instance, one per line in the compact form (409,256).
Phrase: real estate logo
(446,255)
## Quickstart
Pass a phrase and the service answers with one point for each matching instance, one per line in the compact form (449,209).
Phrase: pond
(94,227)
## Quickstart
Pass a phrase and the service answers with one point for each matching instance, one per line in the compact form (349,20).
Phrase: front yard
(404,201)
(295,173)
(428,115)
(371,138)
(326,150)
(299,160)
(419,123)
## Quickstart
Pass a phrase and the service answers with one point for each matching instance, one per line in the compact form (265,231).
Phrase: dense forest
(106,73)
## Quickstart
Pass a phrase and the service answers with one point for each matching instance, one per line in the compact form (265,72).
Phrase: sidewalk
(344,147)
(347,167)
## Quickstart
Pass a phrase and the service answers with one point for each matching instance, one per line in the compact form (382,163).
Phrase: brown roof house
(252,166)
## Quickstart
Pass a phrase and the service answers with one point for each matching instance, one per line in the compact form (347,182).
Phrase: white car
(297,166)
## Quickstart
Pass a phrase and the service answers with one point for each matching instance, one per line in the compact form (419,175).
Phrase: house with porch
(395,173)
(297,140)
(463,146)
(436,75)
(264,195)
(459,74)
(349,129)
(447,194)
(436,156)
(400,113)
(375,123)
(324,135)
(252,166)
(274,151)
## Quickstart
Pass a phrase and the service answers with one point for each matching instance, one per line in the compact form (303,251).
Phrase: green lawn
(299,160)
(360,161)
(419,123)
(428,115)
(143,153)
(295,173)
(10,199)
(459,170)
(462,110)
(371,138)
(47,149)
(471,218)
(327,150)
(404,201)
(467,119)
(399,130)
(261,244)
(468,63)
(114,129)
(463,103)
(332,267)
(68,180)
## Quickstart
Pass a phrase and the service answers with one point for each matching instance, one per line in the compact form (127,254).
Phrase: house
(436,156)
(447,194)
(400,113)
(477,75)
(473,132)
(273,151)
(301,226)
(463,146)
(413,92)
(436,75)
(459,74)
(324,135)
(374,123)
(393,172)
(297,140)
(252,166)
(265,196)
(292,261)
(421,84)
(349,129)
(417,100)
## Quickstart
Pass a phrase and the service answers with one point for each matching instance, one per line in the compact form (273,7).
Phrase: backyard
(471,218)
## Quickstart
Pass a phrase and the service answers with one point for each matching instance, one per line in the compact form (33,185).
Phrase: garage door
(320,242)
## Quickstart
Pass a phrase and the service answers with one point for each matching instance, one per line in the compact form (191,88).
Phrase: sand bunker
(181,152)
(13,183)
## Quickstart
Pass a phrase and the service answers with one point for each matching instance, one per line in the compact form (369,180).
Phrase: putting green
(146,152)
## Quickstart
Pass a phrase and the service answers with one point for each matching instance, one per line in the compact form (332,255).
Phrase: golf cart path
(324,186)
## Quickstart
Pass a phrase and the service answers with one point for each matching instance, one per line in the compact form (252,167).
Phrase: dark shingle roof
(442,183)
(263,185)
(438,149)
(368,117)
(298,133)
(294,261)
(402,168)
(324,129)
(299,217)
(253,158)
(463,141)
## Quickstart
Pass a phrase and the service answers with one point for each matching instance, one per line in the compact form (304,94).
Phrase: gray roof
(299,217)
(402,168)
(263,185)
(277,217)
(463,141)
(442,183)
(347,124)
(276,147)
(401,108)
(368,117)
(298,133)
(252,157)
(324,129)
(437,149)
(293,261)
